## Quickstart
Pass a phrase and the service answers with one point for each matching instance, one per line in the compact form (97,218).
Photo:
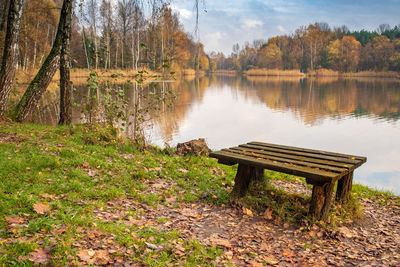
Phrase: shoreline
(322,73)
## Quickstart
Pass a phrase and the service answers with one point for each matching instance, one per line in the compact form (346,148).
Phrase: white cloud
(252,23)
(281,9)
(215,40)
(215,35)
(184,13)
(281,28)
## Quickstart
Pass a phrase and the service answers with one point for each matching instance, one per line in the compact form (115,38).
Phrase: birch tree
(43,78)
(9,60)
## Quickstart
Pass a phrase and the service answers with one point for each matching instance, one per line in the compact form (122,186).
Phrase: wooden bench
(320,168)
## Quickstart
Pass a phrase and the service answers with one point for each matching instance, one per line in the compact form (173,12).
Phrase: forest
(319,46)
(125,34)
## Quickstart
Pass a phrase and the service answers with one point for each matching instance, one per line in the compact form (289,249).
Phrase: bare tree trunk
(43,78)
(138,49)
(10,52)
(133,51)
(65,82)
(93,9)
(84,47)
(35,46)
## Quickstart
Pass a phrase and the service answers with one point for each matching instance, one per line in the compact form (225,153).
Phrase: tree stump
(321,200)
(243,178)
(344,187)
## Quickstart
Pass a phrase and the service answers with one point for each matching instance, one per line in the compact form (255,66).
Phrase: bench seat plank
(319,176)
(257,154)
(305,154)
(364,159)
(284,156)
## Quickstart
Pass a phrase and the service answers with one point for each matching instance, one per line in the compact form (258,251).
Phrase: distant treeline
(318,46)
(107,34)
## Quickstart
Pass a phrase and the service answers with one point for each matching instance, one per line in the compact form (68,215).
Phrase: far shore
(316,73)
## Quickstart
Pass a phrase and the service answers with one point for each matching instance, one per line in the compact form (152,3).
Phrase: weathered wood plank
(310,150)
(341,165)
(257,154)
(244,175)
(317,175)
(306,154)
(343,191)
(321,200)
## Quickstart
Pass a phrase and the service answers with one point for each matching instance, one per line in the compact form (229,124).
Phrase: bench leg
(321,200)
(244,175)
(258,174)
(344,187)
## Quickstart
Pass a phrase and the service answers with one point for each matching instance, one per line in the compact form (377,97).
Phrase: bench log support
(244,175)
(321,200)
(343,191)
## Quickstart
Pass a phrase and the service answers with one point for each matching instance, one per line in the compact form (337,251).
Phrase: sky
(223,23)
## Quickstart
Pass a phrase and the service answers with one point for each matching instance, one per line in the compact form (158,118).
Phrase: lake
(354,116)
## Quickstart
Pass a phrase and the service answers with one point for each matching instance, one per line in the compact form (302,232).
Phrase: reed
(323,73)
(273,72)
(373,74)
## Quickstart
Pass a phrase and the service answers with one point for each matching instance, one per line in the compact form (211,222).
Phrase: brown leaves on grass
(217,241)
(40,256)
(41,208)
(14,220)
(85,164)
(98,257)
(47,196)
(217,171)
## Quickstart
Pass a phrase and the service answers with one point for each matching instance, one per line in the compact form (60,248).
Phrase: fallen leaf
(102,257)
(268,214)
(171,199)
(152,246)
(14,220)
(41,208)
(220,242)
(346,232)
(86,255)
(183,170)
(85,164)
(190,213)
(271,260)
(47,196)
(40,256)
(247,212)
(254,263)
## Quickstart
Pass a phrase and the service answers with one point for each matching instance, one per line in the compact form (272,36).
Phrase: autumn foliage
(318,46)
(108,35)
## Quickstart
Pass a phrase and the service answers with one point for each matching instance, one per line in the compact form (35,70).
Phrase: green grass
(84,167)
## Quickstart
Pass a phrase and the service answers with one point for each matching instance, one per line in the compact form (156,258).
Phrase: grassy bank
(79,195)
(321,73)
(361,74)
(81,75)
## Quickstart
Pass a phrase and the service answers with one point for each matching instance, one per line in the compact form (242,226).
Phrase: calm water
(358,117)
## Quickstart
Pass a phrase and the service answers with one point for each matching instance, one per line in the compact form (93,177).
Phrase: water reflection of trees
(317,99)
(310,100)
